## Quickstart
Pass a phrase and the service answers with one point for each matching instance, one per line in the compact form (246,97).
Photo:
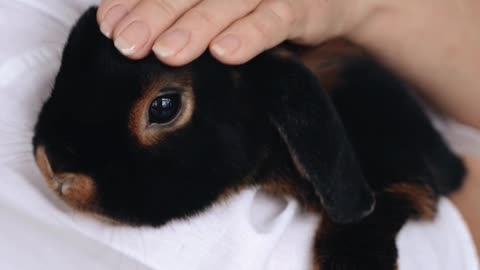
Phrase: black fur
(391,134)
(251,123)
(306,120)
(395,143)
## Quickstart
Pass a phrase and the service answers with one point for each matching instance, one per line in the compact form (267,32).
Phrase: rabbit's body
(404,159)
(144,143)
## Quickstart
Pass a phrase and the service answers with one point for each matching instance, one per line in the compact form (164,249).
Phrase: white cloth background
(251,231)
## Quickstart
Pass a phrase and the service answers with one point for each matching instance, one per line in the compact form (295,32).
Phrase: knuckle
(204,16)
(168,8)
(282,10)
(265,31)
(104,6)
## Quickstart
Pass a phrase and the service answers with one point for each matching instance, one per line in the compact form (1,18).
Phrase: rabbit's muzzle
(75,189)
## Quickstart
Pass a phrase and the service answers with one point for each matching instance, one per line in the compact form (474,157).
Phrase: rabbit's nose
(63,183)
(76,189)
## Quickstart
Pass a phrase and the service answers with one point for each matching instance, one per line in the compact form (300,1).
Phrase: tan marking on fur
(421,198)
(467,199)
(138,122)
(77,190)
(299,189)
(316,261)
(45,168)
(43,163)
(95,214)
(231,191)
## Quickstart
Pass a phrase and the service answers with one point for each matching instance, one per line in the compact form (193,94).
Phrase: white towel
(251,231)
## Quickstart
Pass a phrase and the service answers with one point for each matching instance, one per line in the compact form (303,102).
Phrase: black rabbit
(144,143)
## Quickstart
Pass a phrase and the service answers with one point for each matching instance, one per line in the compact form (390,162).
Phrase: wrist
(323,20)
(467,198)
(434,47)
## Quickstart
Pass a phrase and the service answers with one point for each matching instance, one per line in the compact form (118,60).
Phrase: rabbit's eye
(164,109)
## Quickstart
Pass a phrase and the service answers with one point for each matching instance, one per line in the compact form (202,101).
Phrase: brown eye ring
(149,131)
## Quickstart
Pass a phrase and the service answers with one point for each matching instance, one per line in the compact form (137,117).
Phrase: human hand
(235,30)
(432,43)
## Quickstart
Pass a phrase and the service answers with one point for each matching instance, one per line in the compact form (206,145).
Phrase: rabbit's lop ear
(312,131)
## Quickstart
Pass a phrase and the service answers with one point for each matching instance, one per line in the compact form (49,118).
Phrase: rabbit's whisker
(8,143)
(15,126)
(17,159)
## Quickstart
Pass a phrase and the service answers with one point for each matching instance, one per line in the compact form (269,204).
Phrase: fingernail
(135,36)
(111,18)
(171,43)
(226,45)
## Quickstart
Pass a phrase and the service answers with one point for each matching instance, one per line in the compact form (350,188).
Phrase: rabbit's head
(143,143)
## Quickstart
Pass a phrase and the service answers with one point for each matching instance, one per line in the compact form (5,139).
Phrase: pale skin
(434,44)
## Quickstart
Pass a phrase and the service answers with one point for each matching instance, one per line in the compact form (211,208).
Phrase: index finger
(110,12)
(137,30)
